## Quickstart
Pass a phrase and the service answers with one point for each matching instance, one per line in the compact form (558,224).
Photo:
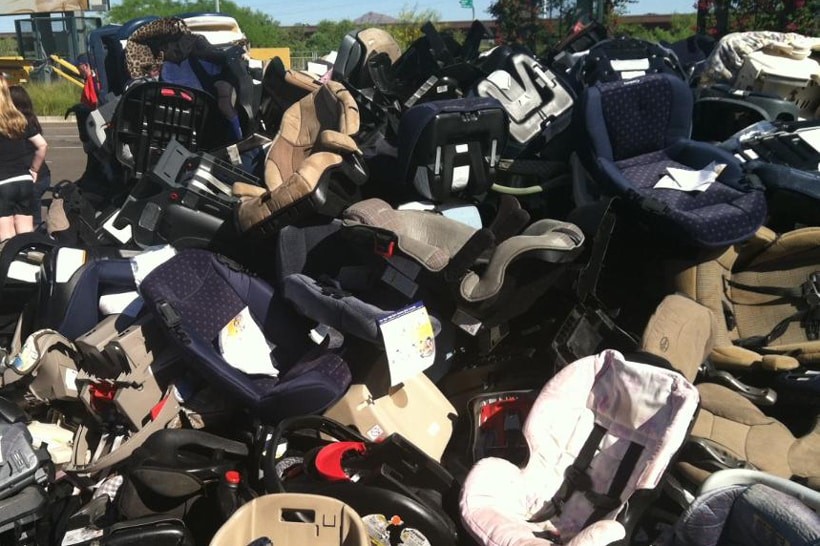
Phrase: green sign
(466,3)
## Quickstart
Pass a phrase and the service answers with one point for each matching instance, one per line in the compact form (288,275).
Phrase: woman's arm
(40,147)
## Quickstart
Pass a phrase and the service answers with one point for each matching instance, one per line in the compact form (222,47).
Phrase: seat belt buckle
(384,244)
(811,290)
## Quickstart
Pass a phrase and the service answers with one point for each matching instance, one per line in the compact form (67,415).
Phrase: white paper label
(467,323)
(375,432)
(461,175)
(408,341)
(71,380)
(686,180)
(243,345)
(24,271)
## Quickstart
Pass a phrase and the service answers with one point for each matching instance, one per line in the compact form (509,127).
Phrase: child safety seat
(621,424)
(182,293)
(399,492)
(535,99)
(750,512)
(151,113)
(764,295)
(720,111)
(782,155)
(355,50)
(729,431)
(639,128)
(269,518)
(520,262)
(450,148)
(313,165)
(626,58)
(281,88)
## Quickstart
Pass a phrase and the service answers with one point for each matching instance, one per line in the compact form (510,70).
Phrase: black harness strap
(807,293)
(575,477)
(605,504)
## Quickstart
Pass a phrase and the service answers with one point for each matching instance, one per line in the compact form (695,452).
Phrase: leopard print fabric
(143,51)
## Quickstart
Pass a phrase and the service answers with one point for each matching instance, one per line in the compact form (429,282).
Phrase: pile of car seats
(457,294)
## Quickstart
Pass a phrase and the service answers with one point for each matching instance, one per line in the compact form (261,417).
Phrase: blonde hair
(12,123)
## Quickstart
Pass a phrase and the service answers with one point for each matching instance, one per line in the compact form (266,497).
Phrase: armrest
(242,189)
(758,396)
(334,141)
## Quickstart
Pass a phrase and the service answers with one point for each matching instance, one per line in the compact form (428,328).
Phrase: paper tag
(69,260)
(408,341)
(461,176)
(71,380)
(83,534)
(243,345)
(143,263)
(622,65)
(686,180)
(24,271)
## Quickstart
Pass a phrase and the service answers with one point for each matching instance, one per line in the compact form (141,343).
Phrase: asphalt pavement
(65,156)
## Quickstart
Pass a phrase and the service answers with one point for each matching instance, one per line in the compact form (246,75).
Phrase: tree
(408,28)
(719,17)
(260,28)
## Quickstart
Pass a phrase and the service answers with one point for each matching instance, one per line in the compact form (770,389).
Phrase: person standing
(18,168)
(22,101)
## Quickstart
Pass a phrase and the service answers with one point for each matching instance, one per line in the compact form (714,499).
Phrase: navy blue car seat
(636,129)
(197,293)
(451,147)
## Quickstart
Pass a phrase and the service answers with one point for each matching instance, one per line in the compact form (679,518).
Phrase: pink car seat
(600,430)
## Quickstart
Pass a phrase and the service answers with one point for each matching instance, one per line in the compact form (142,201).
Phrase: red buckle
(102,394)
(167,92)
(328,461)
(384,248)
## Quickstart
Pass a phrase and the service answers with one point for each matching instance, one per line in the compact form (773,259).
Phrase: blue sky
(312,11)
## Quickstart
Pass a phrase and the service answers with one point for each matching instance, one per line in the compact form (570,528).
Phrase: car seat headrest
(682,331)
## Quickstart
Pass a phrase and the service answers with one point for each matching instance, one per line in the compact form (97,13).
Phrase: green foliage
(53,98)
(408,28)
(681,27)
(8,46)
(260,28)
(718,17)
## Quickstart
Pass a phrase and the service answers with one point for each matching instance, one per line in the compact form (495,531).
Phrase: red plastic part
(329,459)
(233,477)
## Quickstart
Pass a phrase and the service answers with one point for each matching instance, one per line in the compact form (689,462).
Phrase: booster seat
(620,425)
(636,130)
(313,165)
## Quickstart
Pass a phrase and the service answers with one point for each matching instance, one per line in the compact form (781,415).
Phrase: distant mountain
(373,18)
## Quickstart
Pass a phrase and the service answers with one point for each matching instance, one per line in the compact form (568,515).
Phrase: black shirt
(15,154)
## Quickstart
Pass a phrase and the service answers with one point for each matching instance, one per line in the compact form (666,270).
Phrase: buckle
(384,244)
(168,314)
(811,289)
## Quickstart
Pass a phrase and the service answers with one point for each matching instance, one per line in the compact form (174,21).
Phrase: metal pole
(217,5)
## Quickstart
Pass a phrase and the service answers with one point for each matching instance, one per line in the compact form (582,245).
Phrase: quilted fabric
(197,291)
(636,116)
(638,128)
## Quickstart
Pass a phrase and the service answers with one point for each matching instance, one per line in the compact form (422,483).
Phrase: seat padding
(637,129)
(314,135)
(633,402)
(207,291)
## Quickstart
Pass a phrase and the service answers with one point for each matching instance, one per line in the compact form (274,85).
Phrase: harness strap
(808,293)
(575,477)
(605,504)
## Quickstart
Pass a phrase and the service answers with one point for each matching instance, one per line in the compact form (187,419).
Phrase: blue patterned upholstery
(206,292)
(636,129)
(636,116)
